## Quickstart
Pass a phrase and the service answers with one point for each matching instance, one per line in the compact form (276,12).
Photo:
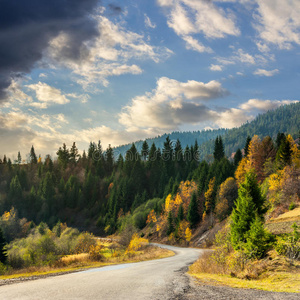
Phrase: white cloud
(84,98)
(278,22)
(262,72)
(15,93)
(193,44)
(148,22)
(43,75)
(171,104)
(239,56)
(232,117)
(189,17)
(47,95)
(107,55)
(215,67)
(264,105)
(243,57)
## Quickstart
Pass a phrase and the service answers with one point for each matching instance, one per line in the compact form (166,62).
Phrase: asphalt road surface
(158,279)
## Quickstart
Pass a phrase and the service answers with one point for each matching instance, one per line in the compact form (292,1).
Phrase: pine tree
(145,150)
(258,239)
(193,213)
(74,155)
(3,253)
(180,214)
(280,137)
(32,156)
(63,155)
(249,205)
(92,149)
(171,227)
(246,149)
(237,157)
(219,149)
(19,159)
(109,160)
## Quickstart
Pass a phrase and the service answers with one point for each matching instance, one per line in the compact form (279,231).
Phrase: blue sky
(127,70)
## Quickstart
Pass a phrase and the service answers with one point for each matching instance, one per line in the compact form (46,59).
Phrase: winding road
(157,279)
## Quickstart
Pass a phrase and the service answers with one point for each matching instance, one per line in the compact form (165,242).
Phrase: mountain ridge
(282,119)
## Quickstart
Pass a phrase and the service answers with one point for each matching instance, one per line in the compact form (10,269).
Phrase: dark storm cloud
(115,9)
(27,26)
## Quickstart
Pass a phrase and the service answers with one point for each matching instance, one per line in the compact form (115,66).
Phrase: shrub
(289,244)
(136,243)
(84,242)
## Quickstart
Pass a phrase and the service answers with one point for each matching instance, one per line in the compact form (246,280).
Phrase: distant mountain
(285,119)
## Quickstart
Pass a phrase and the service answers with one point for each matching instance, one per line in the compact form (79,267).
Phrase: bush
(289,244)
(139,219)
(84,242)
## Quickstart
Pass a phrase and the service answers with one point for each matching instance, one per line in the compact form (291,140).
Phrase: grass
(275,282)
(283,223)
(275,273)
(72,263)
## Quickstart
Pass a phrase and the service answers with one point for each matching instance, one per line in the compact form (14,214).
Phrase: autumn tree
(227,194)
(210,196)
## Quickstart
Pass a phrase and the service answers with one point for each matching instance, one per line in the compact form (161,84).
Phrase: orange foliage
(151,217)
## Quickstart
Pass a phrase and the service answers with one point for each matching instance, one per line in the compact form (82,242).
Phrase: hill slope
(283,119)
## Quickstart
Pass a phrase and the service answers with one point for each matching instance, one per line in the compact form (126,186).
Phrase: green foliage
(3,254)
(193,211)
(258,241)
(219,149)
(171,227)
(289,244)
(247,229)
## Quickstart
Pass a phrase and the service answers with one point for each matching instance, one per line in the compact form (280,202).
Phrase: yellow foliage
(295,156)
(151,217)
(178,200)
(188,234)
(136,243)
(168,203)
(274,181)
(209,194)
(241,170)
(183,225)
(171,237)
(94,252)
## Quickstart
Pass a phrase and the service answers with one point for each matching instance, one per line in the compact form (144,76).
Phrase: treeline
(283,119)
(93,190)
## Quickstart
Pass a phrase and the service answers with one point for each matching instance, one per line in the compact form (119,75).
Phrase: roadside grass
(275,282)
(76,262)
(275,273)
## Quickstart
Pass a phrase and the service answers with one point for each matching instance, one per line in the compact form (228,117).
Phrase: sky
(121,71)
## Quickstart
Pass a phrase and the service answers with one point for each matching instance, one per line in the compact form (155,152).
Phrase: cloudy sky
(119,71)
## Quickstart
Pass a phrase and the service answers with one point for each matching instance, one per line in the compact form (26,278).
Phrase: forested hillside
(95,191)
(283,119)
